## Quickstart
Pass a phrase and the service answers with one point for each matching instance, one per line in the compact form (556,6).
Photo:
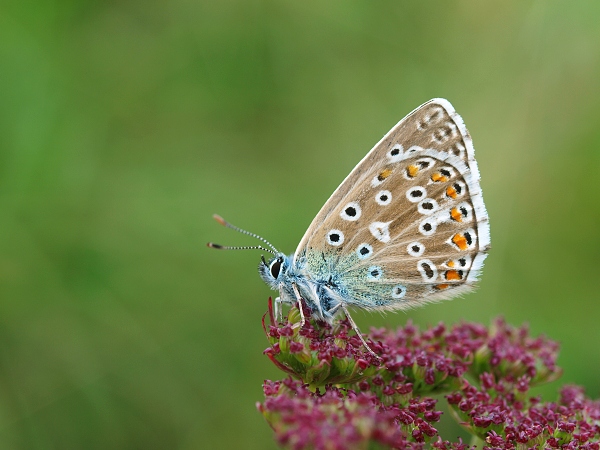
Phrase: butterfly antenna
(240,230)
(247,247)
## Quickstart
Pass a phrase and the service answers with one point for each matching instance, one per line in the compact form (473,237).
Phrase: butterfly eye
(275,268)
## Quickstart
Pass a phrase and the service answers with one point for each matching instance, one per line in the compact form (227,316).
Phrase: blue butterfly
(407,226)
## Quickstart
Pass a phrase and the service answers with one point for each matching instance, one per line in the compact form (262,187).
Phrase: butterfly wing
(408,225)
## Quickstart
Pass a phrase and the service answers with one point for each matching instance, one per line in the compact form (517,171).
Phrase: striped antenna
(247,247)
(240,230)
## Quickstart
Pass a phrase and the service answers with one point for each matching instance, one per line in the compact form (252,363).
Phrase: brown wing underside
(430,125)
(412,208)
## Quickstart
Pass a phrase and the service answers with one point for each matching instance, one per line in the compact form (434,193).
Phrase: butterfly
(407,226)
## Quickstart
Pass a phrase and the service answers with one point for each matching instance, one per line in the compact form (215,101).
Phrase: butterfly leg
(281,301)
(357,331)
(278,309)
(300,307)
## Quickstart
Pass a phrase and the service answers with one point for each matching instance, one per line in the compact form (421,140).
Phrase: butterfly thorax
(320,291)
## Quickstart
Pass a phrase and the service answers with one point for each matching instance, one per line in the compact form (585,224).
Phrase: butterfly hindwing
(408,225)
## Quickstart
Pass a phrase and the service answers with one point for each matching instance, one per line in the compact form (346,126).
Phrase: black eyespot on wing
(468,238)
(395,152)
(334,237)
(428,270)
(398,291)
(364,250)
(350,211)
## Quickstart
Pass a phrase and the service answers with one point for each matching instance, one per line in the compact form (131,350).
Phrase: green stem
(476,441)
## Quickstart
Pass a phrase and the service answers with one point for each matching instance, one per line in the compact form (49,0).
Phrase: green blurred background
(125,125)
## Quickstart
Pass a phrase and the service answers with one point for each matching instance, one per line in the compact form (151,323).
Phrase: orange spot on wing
(451,192)
(450,263)
(453,275)
(412,171)
(442,286)
(460,241)
(383,175)
(439,178)
(456,215)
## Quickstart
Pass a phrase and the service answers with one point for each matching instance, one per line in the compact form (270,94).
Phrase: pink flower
(339,396)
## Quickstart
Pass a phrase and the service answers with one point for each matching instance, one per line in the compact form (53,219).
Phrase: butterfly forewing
(408,225)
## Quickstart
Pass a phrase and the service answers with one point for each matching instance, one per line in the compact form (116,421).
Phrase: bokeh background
(125,125)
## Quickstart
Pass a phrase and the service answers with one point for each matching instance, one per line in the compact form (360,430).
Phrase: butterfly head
(273,271)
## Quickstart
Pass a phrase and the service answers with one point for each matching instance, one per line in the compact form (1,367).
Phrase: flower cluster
(339,396)
(344,419)
(318,353)
(501,415)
